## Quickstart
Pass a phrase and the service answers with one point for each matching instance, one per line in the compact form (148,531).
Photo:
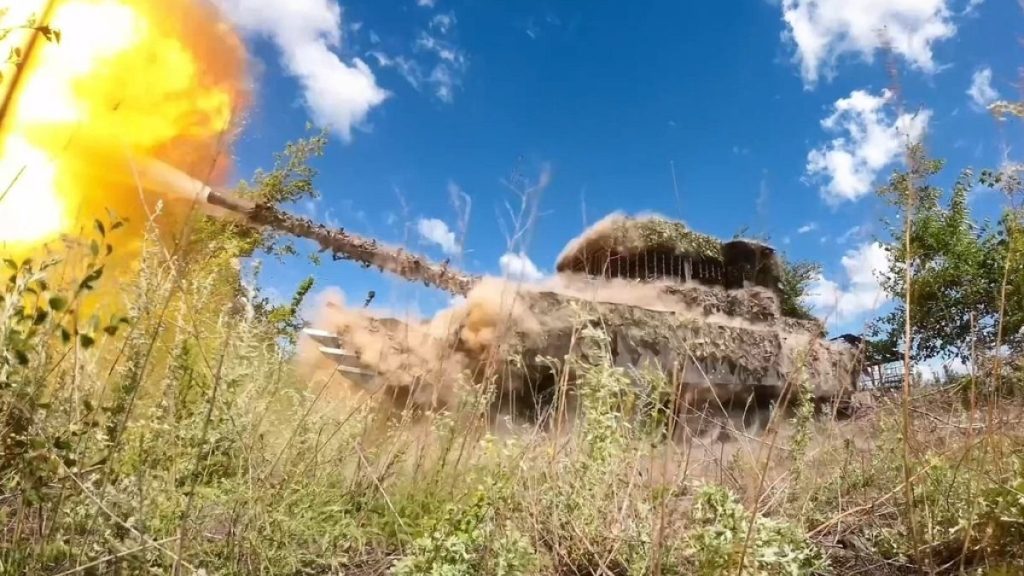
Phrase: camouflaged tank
(704,313)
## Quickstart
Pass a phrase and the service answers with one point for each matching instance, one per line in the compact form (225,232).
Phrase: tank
(644,294)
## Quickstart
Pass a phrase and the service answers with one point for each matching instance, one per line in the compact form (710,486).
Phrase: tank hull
(728,352)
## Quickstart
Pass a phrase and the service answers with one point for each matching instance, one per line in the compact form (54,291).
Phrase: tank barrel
(347,246)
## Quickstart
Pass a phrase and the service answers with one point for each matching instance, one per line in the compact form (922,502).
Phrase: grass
(180,439)
(158,425)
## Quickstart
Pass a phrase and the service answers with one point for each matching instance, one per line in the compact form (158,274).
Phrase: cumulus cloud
(869,141)
(426,3)
(822,31)
(518,266)
(307,33)
(436,232)
(861,291)
(981,91)
(809,227)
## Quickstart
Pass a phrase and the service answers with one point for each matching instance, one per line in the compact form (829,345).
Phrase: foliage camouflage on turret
(628,234)
(661,234)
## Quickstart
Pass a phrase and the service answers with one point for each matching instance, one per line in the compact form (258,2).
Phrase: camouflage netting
(652,247)
(726,354)
(618,234)
(725,346)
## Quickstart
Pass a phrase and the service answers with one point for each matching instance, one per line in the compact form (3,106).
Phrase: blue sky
(772,114)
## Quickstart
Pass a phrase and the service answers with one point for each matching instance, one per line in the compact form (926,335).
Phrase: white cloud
(444,83)
(972,7)
(935,369)
(518,266)
(409,69)
(426,3)
(436,63)
(824,30)
(862,293)
(444,50)
(981,91)
(871,142)
(809,227)
(443,22)
(437,232)
(338,95)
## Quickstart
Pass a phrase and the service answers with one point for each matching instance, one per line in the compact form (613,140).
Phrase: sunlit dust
(129,82)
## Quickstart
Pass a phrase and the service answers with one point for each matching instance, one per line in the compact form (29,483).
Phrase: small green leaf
(90,279)
(100,228)
(65,335)
(86,341)
(58,303)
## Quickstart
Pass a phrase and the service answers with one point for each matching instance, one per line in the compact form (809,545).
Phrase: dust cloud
(424,363)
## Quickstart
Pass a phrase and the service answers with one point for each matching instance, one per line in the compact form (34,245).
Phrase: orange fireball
(128,82)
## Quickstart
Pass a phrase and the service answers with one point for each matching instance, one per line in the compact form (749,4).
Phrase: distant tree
(958,266)
(794,283)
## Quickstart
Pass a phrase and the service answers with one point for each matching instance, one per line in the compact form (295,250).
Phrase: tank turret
(652,248)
